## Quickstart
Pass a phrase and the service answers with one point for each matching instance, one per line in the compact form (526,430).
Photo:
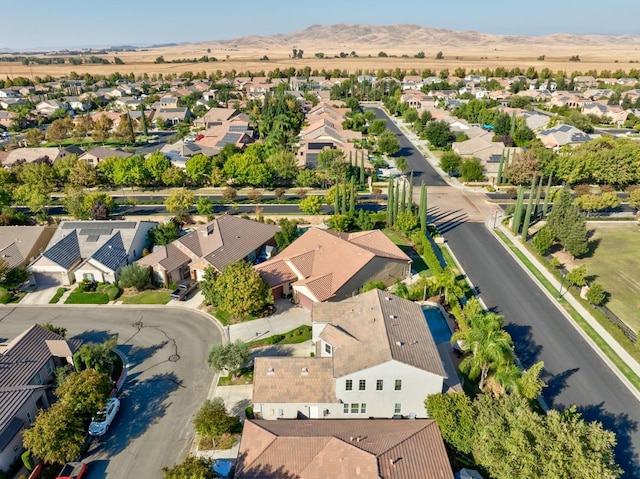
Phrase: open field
(470,50)
(616,264)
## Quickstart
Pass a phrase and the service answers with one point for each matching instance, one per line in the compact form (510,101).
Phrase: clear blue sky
(75,23)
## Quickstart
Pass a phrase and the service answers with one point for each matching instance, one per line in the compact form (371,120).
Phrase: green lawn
(418,264)
(87,298)
(616,264)
(57,296)
(148,297)
(295,336)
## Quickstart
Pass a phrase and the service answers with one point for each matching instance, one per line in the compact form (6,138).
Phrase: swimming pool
(437,324)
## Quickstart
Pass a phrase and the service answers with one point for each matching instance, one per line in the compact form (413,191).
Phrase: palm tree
(446,282)
(490,348)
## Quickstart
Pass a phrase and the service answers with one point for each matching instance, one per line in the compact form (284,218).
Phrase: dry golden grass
(463,53)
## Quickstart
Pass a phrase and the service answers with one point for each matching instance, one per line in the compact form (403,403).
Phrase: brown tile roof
(168,257)
(279,379)
(324,261)
(395,325)
(226,239)
(345,448)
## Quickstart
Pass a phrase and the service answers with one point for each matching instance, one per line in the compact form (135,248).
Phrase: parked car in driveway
(183,290)
(73,470)
(103,419)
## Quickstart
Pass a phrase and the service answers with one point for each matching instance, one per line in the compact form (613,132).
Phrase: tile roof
(168,257)
(112,254)
(11,255)
(23,237)
(283,378)
(66,252)
(227,239)
(324,260)
(395,325)
(345,448)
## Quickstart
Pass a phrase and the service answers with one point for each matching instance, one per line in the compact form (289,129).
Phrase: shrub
(543,240)
(279,193)
(135,276)
(27,460)
(248,412)
(582,189)
(275,339)
(596,294)
(5,296)
(255,195)
(112,291)
(229,193)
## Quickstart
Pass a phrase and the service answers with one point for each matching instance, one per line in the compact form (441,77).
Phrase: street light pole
(561,284)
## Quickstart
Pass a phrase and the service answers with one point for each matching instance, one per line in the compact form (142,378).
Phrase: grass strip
(628,373)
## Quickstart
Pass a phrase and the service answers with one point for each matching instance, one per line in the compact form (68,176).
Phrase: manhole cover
(174,358)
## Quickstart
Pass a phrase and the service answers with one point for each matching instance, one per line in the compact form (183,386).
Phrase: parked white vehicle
(103,419)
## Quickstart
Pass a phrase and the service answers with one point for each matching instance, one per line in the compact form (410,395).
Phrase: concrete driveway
(167,383)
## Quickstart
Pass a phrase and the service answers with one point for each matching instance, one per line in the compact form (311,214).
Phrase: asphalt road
(168,379)
(575,374)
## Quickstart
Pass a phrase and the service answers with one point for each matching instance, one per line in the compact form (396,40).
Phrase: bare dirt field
(469,50)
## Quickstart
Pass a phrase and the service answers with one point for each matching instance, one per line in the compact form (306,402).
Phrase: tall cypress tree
(351,158)
(403,204)
(517,215)
(336,198)
(396,204)
(500,166)
(527,216)
(390,195)
(423,209)
(547,193)
(411,192)
(362,167)
(343,209)
(143,121)
(352,197)
(538,196)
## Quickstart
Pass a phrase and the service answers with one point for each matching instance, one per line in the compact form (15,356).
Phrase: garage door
(304,301)
(277,292)
(47,279)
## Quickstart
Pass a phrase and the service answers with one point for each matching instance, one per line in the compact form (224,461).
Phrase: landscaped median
(613,330)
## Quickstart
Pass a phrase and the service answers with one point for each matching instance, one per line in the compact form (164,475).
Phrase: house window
(346,408)
(87,276)
(49,368)
(38,379)
(328,348)
(398,408)
(362,385)
(398,385)
(379,384)
(363,408)
(349,385)
(354,408)
(29,418)
(280,412)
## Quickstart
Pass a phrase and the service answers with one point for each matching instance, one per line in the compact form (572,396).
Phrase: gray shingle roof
(112,254)
(65,252)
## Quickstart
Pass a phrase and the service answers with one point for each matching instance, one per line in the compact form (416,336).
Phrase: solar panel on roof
(229,138)
(92,238)
(238,128)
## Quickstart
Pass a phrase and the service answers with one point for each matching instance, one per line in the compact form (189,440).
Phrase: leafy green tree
(59,330)
(543,240)
(57,435)
(134,276)
(524,166)
(471,169)
(407,222)
(438,134)
(596,294)
(340,222)
(456,418)
(401,163)
(97,356)
(288,233)
(373,285)
(86,392)
(388,143)
(192,467)
(230,356)
(204,206)
(310,205)
(199,169)
(174,176)
(213,420)
(59,130)
(34,136)
(32,196)
(124,131)
(129,171)
(568,225)
(284,164)
(447,283)
(156,164)
(634,198)
(378,127)
(73,202)
(241,292)
(179,202)
(83,174)
(450,162)
(333,162)
(164,234)
(578,276)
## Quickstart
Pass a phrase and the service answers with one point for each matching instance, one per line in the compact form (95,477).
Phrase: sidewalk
(582,311)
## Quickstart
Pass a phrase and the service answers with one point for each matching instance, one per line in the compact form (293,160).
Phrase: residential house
(215,117)
(236,131)
(170,116)
(583,82)
(19,245)
(180,152)
(94,250)
(30,155)
(342,449)
(112,115)
(614,113)
(77,104)
(47,107)
(412,82)
(99,153)
(323,265)
(417,99)
(8,102)
(7,118)
(562,135)
(568,99)
(169,101)
(375,357)
(28,363)
(7,93)
(224,240)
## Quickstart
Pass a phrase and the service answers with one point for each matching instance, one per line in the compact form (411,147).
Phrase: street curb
(567,316)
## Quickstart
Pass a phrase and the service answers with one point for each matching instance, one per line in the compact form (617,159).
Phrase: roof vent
(270,372)
(393,317)
(388,298)
(304,371)
(400,343)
